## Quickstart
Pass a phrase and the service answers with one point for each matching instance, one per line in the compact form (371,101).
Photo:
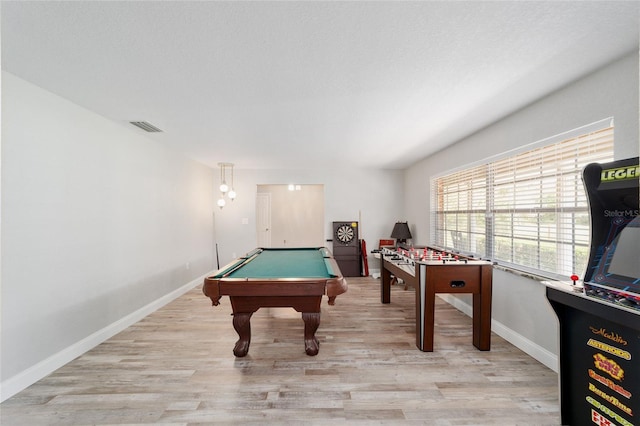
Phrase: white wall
(374,195)
(100,225)
(520,310)
(297,217)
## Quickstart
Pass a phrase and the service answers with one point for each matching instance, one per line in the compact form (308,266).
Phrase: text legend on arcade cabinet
(610,380)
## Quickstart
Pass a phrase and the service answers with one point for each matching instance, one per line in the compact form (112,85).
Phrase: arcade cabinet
(600,319)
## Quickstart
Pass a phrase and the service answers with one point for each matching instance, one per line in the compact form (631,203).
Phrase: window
(527,209)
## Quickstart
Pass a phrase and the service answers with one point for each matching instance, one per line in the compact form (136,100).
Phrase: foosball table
(430,271)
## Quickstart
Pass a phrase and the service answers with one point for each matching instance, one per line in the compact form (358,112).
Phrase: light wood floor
(176,367)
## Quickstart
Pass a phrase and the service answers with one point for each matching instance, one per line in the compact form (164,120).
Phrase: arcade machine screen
(613,271)
(624,262)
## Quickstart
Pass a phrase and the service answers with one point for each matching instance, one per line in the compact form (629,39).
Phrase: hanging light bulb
(223,178)
(232,192)
(221,202)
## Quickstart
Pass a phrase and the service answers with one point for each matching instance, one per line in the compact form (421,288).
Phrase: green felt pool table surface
(283,263)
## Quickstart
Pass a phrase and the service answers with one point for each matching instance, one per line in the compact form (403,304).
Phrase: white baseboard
(26,378)
(532,349)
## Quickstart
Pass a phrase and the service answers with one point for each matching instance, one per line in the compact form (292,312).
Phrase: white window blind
(526,210)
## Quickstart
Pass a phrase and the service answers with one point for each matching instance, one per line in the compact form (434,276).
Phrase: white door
(263,219)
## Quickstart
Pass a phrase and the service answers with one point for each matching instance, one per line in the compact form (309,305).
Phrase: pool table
(277,277)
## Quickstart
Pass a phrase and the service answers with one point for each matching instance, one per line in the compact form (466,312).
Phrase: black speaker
(346,248)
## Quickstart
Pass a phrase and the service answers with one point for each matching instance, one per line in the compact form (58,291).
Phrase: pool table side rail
(270,287)
(234,265)
(215,288)
(337,284)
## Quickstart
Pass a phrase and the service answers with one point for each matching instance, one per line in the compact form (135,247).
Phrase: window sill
(524,274)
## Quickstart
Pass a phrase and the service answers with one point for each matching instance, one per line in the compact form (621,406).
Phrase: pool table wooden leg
(242,324)
(311,324)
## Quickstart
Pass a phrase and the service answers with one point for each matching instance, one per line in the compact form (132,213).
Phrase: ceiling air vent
(145,126)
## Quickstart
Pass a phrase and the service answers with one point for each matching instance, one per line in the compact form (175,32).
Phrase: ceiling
(302,84)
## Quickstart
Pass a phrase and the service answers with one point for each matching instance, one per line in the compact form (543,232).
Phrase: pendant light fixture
(225,189)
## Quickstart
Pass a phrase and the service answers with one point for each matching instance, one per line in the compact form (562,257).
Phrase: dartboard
(344,234)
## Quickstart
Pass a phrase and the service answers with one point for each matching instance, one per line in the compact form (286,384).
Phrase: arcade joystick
(576,286)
